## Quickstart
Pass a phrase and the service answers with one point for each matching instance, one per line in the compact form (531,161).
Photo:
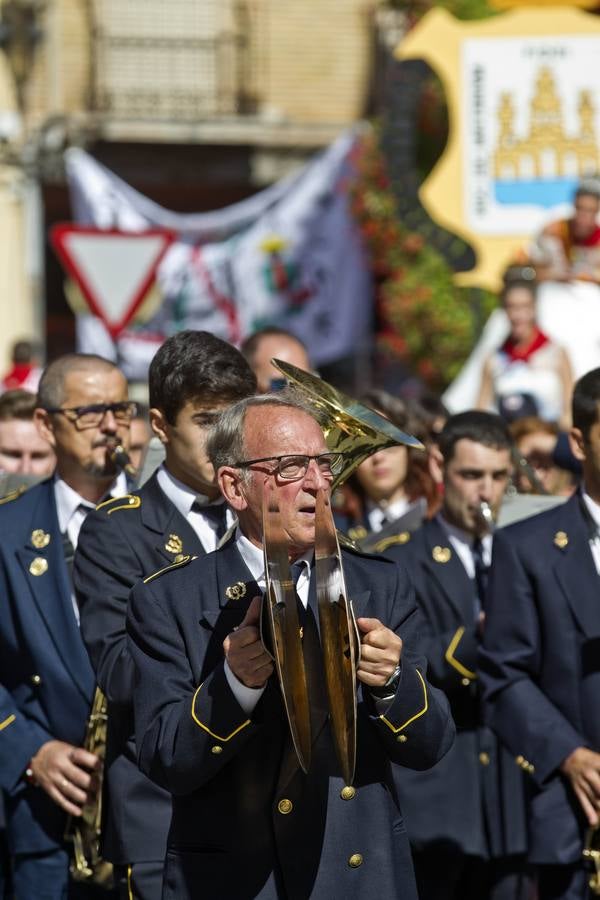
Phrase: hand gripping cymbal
(339,637)
(281,630)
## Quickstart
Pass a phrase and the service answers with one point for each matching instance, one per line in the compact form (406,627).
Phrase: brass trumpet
(85,832)
(88,864)
(591,859)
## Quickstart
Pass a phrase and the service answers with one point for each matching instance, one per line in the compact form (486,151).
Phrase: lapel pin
(561,539)
(236,591)
(38,566)
(40,538)
(174,544)
(441,554)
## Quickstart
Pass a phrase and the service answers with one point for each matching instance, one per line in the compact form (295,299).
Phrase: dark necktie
(215,514)
(313,660)
(69,554)
(481,571)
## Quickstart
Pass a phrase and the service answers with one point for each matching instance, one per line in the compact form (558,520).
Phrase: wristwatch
(390,687)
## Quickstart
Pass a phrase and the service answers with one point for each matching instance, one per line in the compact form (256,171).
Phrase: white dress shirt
(253,557)
(462,543)
(72,508)
(183,498)
(378,516)
(594,511)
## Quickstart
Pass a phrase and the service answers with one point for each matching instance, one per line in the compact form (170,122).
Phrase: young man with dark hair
(178,511)
(23,451)
(46,677)
(465,818)
(268,343)
(540,660)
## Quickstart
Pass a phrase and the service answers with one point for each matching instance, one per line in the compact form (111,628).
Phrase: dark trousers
(140,881)
(447,874)
(563,883)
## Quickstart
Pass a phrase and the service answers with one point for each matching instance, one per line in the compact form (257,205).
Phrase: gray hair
(225,445)
(51,389)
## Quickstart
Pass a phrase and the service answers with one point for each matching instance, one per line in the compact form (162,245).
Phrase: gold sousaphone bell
(355,431)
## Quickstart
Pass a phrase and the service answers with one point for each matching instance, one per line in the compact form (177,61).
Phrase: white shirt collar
(593,507)
(253,557)
(464,537)
(181,495)
(68,500)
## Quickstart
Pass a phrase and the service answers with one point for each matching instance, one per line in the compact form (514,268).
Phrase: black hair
(196,365)
(585,404)
(480,427)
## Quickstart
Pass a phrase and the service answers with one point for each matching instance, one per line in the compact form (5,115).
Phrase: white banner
(289,256)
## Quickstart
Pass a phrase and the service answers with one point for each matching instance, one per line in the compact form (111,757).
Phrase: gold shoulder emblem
(40,538)
(236,591)
(561,539)
(38,566)
(441,554)
(384,543)
(174,565)
(13,495)
(174,544)
(127,501)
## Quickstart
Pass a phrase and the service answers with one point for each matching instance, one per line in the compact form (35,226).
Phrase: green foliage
(424,319)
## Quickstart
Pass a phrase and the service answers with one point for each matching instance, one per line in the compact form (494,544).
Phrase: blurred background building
(196,104)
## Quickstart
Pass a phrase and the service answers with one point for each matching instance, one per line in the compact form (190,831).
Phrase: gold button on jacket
(285,806)
(355,860)
(348,792)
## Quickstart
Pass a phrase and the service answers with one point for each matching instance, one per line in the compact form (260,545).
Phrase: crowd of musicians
(478,684)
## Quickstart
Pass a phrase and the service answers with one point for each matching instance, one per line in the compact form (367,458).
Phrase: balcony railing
(174,60)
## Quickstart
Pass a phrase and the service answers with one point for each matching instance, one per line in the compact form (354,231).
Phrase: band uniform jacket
(121,542)
(478,788)
(47,681)
(247,823)
(540,664)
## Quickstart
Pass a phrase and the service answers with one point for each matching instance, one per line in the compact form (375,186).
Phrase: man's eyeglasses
(91,416)
(292,467)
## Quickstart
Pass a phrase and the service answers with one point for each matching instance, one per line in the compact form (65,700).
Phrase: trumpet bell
(350,428)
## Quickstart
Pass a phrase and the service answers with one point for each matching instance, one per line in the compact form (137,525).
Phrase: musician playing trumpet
(47,681)
(248,822)
(473,848)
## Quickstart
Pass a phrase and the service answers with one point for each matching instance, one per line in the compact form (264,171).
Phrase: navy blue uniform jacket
(231,835)
(47,681)
(120,543)
(540,664)
(477,790)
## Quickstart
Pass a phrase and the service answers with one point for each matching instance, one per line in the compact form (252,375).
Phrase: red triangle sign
(114,269)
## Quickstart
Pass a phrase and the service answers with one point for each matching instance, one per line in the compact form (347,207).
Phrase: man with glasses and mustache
(210,723)
(47,681)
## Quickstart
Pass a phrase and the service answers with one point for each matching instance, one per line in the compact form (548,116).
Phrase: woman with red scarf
(529,374)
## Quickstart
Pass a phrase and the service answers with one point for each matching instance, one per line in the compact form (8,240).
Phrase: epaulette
(347,542)
(174,565)
(127,501)
(384,543)
(12,495)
